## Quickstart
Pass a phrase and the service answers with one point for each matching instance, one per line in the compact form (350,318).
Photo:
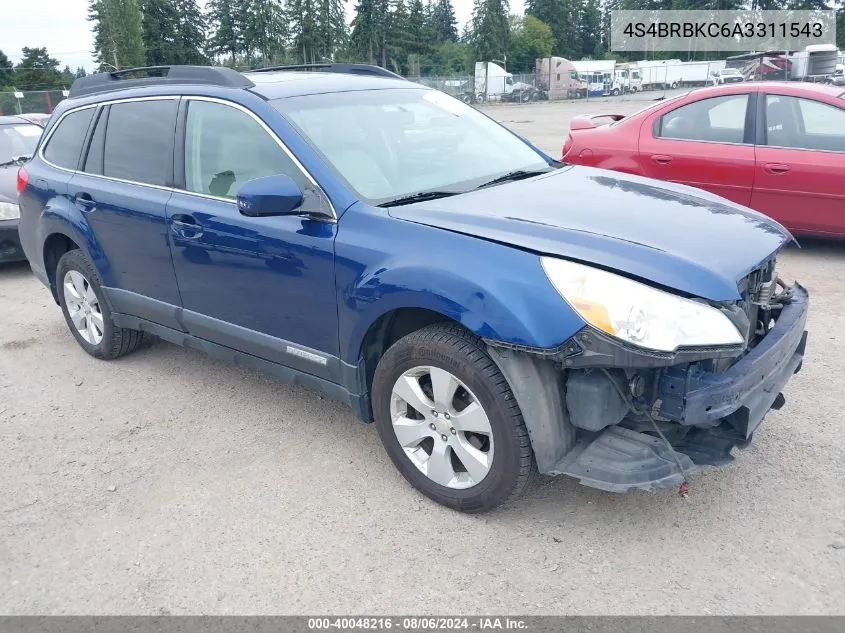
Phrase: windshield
(18,140)
(392,143)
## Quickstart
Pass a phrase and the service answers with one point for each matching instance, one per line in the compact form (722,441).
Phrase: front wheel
(449,421)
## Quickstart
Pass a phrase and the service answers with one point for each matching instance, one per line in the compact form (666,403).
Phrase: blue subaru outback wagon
(493,311)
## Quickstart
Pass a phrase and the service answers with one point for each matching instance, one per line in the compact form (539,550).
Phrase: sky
(62,26)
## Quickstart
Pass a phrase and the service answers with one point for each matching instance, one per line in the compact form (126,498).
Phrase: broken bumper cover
(742,394)
(725,408)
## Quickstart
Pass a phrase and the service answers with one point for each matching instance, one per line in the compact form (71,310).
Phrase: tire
(113,342)
(449,347)
(674,85)
(615,92)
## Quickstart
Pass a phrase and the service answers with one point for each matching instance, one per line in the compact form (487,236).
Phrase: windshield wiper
(519,174)
(17,160)
(417,197)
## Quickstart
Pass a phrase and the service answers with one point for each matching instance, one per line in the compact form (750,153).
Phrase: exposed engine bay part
(594,403)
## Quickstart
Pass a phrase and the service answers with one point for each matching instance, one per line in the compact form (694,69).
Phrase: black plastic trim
(590,347)
(173,75)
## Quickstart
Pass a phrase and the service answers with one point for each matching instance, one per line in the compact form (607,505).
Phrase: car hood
(670,235)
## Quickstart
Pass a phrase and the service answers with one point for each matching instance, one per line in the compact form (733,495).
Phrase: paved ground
(170,483)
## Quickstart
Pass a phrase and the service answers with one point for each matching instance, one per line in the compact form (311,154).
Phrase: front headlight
(637,313)
(9,211)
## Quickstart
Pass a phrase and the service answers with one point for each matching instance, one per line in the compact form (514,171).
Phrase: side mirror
(268,196)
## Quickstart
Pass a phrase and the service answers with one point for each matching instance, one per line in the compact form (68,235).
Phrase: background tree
(118,33)
(530,39)
(443,21)
(262,27)
(159,21)
(490,29)
(37,70)
(5,70)
(225,37)
(368,30)
(190,34)
(563,18)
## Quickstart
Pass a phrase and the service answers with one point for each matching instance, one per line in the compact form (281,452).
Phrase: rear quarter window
(65,144)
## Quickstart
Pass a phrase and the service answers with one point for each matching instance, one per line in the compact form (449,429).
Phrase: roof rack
(349,69)
(157,76)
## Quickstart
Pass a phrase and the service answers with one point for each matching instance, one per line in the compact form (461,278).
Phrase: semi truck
(557,77)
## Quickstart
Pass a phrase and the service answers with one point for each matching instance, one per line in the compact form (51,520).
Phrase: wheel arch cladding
(56,245)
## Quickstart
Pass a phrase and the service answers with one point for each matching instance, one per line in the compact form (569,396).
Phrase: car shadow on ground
(15,270)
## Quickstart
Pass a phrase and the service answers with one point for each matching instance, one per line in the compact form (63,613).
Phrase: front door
(262,285)
(703,144)
(800,165)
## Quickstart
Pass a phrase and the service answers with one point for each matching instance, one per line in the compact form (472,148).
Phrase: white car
(727,76)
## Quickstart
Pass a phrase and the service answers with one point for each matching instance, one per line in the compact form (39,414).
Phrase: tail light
(567,145)
(23,178)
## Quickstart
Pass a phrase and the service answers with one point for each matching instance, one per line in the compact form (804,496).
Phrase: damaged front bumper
(690,413)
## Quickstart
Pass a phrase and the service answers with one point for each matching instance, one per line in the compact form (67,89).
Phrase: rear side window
(717,120)
(65,144)
(139,141)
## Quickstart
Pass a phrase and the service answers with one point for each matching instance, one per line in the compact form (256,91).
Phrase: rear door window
(139,141)
(65,143)
(716,120)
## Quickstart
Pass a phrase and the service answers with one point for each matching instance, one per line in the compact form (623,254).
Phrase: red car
(776,147)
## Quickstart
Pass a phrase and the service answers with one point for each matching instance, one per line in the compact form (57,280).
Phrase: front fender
(495,291)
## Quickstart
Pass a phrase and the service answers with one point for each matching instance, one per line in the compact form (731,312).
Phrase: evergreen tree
(490,29)
(262,26)
(368,29)
(118,33)
(225,37)
(304,29)
(190,33)
(331,28)
(590,42)
(159,23)
(443,21)
(80,72)
(5,70)
(37,70)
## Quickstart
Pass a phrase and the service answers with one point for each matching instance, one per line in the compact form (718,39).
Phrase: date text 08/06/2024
(415,623)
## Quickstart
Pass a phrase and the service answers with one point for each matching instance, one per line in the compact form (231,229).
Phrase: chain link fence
(30,101)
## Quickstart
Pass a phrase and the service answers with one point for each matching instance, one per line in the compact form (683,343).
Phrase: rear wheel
(449,421)
(86,311)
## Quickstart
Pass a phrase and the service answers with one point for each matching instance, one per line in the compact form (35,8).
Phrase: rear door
(705,143)
(122,189)
(801,163)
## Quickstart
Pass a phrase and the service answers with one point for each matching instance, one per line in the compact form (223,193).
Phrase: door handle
(777,168)
(84,201)
(661,159)
(185,226)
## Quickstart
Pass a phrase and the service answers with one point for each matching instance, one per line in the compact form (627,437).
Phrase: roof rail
(349,69)
(157,76)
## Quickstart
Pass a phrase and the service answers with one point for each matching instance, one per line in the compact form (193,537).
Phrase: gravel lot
(167,482)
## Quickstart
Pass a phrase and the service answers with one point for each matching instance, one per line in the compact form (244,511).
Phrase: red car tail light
(567,145)
(23,178)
